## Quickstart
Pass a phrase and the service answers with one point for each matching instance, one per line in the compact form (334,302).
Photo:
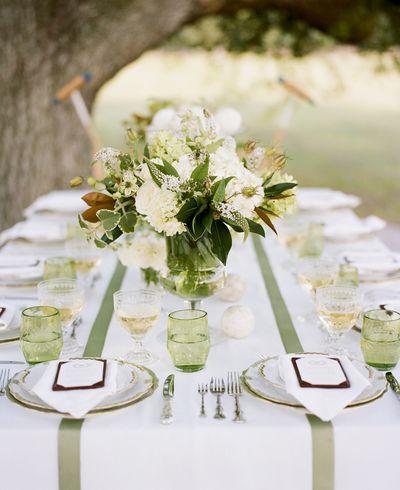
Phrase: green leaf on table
(188,210)
(221,240)
(109,219)
(279,188)
(128,222)
(200,173)
(264,216)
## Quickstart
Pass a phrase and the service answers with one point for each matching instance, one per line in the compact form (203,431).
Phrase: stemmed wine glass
(137,311)
(67,295)
(87,258)
(338,308)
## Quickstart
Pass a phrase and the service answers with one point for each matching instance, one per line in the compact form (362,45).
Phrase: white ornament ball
(234,288)
(238,321)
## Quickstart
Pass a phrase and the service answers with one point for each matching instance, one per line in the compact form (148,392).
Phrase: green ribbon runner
(321,432)
(69,432)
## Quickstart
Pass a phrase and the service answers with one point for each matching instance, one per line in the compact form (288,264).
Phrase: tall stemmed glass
(137,311)
(67,295)
(87,258)
(338,308)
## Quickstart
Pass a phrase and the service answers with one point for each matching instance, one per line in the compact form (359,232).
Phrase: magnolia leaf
(221,240)
(200,173)
(90,214)
(255,227)
(187,210)
(279,188)
(109,219)
(264,216)
(128,222)
(98,198)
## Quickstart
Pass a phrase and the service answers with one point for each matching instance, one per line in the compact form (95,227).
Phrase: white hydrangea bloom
(145,249)
(197,123)
(165,144)
(159,206)
(224,162)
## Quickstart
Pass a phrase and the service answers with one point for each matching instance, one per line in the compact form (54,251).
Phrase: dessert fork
(202,390)
(217,388)
(235,389)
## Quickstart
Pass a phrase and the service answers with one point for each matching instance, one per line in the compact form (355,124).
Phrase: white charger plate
(134,384)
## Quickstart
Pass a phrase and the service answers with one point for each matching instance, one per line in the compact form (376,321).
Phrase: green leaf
(221,240)
(188,210)
(109,219)
(264,216)
(279,188)
(200,173)
(208,219)
(155,173)
(111,236)
(128,222)
(146,151)
(268,179)
(99,243)
(198,226)
(218,189)
(82,223)
(170,169)
(255,227)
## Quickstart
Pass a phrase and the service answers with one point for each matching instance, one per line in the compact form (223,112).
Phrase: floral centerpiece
(193,186)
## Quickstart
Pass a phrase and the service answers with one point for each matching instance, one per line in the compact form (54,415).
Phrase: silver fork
(202,390)
(234,389)
(217,388)
(4,377)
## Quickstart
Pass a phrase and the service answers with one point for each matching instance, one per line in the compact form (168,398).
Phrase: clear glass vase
(194,272)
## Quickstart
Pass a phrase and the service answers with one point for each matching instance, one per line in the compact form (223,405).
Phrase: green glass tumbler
(188,339)
(348,275)
(59,267)
(313,244)
(41,335)
(380,339)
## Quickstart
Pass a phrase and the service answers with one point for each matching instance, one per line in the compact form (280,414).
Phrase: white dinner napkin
(14,267)
(346,230)
(324,403)
(75,402)
(35,231)
(322,199)
(59,202)
(384,263)
(8,314)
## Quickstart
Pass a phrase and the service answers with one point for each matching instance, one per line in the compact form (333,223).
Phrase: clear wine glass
(68,296)
(137,311)
(338,307)
(87,258)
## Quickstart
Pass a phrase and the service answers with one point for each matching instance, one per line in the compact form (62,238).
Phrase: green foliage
(221,240)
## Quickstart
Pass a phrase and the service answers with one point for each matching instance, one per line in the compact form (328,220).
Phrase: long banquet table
(277,448)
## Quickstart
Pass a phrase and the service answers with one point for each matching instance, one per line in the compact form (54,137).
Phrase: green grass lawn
(351,144)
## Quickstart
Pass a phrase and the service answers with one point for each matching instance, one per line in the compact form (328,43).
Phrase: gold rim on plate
(259,394)
(148,391)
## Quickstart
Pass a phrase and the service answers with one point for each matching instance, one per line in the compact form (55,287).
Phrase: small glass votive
(348,275)
(59,267)
(188,339)
(380,339)
(313,244)
(41,336)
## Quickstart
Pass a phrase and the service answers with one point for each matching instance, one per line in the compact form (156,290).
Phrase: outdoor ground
(350,139)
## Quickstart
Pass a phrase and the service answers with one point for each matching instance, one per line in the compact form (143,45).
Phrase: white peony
(229,121)
(245,193)
(146,249)
(145,196)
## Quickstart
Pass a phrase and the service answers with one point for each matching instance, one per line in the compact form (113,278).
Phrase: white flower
(229,121)
(128,185)
(256,157)
(199,125)
(164,120)
(109,158)
(225,162)
(184,166)
(245,193)
(166,145)
(159,206)
(171,183)
(145,249)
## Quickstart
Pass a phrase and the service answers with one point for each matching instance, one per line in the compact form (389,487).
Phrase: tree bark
(44,43)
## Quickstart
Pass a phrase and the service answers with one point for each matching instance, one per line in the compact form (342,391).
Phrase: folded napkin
(14,267)
(62,202)
(384,263)
(7,314)
(75,402)
(324,403)
(35,231)
(322,199)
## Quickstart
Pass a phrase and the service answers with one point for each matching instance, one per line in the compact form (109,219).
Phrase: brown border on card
(306,384)
(99,384)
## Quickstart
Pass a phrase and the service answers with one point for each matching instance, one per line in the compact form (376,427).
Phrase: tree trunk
(44,43)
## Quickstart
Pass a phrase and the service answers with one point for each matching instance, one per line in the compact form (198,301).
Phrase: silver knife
(168,394)
(394,384)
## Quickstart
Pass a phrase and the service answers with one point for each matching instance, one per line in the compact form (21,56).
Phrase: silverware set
(218,389)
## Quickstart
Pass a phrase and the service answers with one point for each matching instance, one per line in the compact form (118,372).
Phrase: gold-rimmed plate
(262,379)
(134,384)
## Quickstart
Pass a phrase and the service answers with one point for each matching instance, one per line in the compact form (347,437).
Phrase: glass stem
(137,345)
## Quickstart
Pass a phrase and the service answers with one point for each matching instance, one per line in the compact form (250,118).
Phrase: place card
(320,372)
(80,374)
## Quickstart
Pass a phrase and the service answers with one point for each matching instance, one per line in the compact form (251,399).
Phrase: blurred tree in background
(45,43)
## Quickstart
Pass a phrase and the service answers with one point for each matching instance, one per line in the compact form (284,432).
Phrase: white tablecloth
(273,450)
